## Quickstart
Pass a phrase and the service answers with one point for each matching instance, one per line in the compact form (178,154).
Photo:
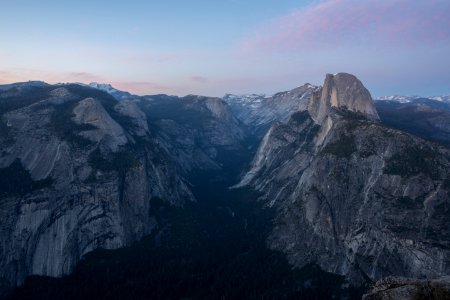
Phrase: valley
(312,193)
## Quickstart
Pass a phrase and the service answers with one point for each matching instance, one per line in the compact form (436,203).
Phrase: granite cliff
(80,170)
(356,197)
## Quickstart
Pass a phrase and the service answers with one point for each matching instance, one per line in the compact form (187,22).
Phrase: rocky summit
(356,197)
(341,91)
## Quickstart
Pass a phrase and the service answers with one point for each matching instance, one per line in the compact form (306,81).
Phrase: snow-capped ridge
(259,110)
(407,99)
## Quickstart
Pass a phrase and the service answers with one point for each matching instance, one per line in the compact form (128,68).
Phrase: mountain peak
(102,86)
(118,94)
(341,90)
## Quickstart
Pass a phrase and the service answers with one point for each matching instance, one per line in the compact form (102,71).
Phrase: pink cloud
(81,77)
(169,57)
(335,23)
(198,79)
(23,74)
(237,81)
(136,87)
(143,87)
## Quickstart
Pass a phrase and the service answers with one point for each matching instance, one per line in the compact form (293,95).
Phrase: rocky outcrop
(357,198)
(138,118)
(90,112)
(410,289)
(74,178)
(341,91)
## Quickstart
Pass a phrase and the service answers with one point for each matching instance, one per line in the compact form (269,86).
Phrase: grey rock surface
(131,110)
(198,132)
(259,111)
(341,90)
(91,184)
(357,198)
(399,288)
(427,118)
(90,112)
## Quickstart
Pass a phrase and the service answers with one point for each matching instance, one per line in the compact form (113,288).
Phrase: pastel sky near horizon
(212,47)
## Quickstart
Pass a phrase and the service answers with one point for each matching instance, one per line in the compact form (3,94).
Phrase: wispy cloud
(198,79)
(143,87)
(25,74)
(81,77)
(334,23)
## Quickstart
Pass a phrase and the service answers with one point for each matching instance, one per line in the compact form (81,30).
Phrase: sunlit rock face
(341,91)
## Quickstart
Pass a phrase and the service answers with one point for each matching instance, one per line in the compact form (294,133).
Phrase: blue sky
(216,47)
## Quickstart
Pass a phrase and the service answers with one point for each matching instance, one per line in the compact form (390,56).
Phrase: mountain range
(258,196)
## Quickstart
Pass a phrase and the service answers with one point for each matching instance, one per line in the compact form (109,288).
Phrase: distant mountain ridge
(258,111)
(424,117)
(405,99)
(5,87)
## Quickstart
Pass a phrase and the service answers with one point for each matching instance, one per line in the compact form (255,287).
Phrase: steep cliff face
(341,90)
(75,175)
(357,198)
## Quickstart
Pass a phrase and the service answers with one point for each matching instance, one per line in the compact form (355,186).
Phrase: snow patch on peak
(399,98)
(445,98)
(103,86)
(259,110)
(408,99)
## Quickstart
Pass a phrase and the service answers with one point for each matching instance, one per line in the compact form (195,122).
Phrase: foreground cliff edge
(358,198)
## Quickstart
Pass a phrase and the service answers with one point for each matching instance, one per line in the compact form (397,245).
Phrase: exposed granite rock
(196,131)
(399,288)
(259,111)
(341,90)
(88,187)
(131,110)
(94,166)
(357,198)
(90,112)
(33,144)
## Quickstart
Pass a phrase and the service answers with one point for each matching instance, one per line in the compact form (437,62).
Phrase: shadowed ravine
(212,249)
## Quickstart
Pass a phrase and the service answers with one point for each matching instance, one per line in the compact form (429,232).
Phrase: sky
(212,47)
